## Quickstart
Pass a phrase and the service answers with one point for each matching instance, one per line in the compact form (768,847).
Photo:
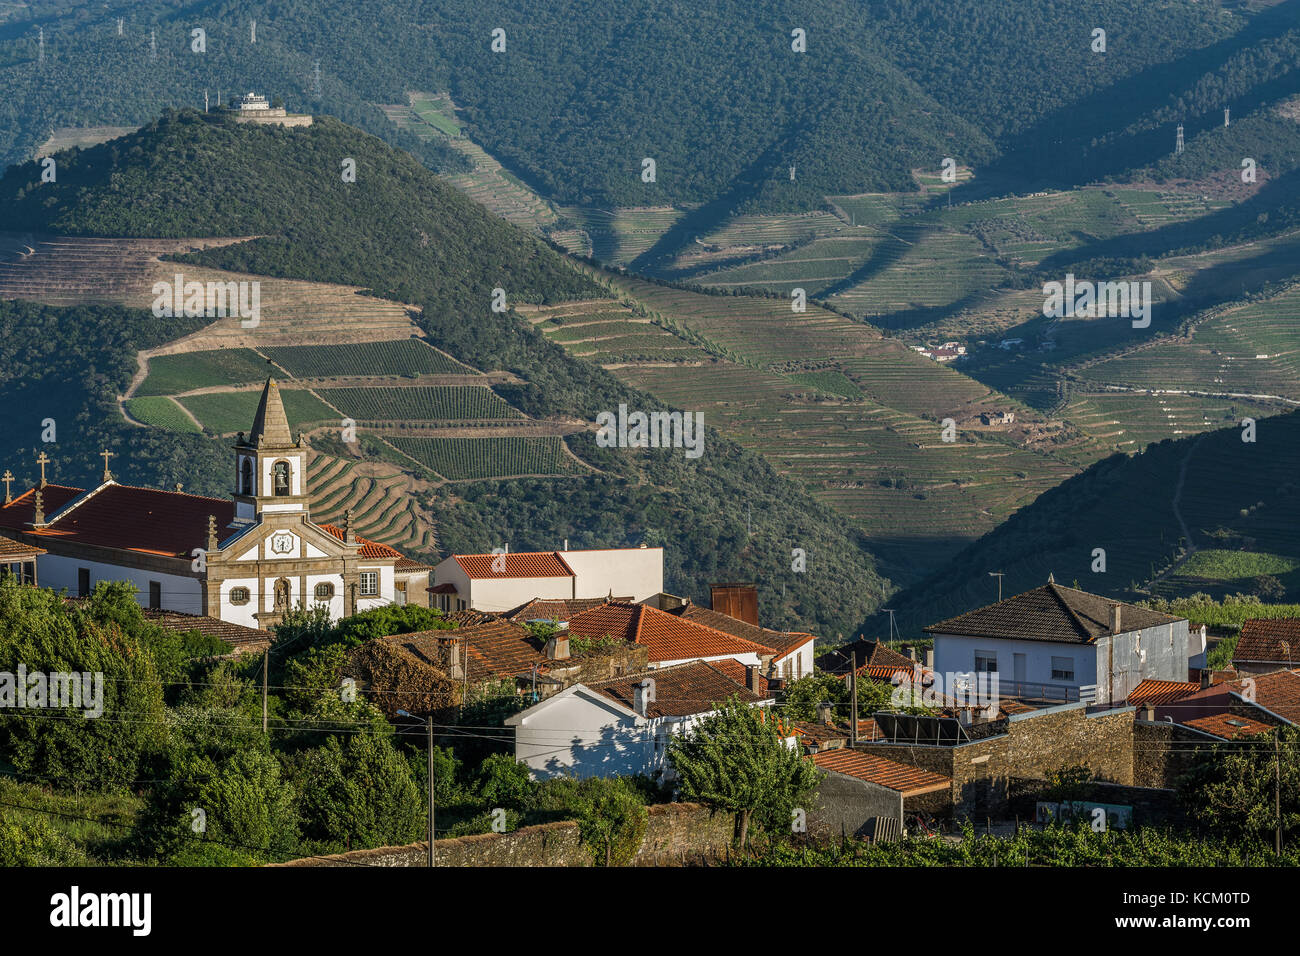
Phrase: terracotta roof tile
(1278,692)
(1160,692)
(236,635)
(146,520)
(11,550)
(836,660)
(666,636)
(1228,726)
(696,687)
(1265,640)
(496,648)
(560,610)
(366,548)
(524,564)
(882,771)
(783,642)
(1049,613)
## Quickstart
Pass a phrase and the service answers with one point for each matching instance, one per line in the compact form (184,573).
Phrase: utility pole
(266,660)
(999,575)
(429,725)
(853,699)
(1277,791)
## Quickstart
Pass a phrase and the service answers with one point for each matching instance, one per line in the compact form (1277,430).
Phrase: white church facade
(246,560)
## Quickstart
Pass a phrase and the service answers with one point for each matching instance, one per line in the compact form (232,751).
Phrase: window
(239,596)
(280,478)
(369,583)
(155,595)
(1062,668)
(83,582)
(246,477)
(986,662)
(324,591)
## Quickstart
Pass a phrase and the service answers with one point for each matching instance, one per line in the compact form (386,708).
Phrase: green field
(169,374)
(438,403)
(399,357)
(228,412)
(1218,572)
(462,459)
(161,412)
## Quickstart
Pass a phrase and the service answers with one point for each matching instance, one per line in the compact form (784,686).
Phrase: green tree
(1231,788)
(612,819)
(733,760)
(803,695)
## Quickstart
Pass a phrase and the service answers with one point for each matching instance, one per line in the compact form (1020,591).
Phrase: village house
(1267,645)
(621,727)
(1059,643)
(503,581)
(860,789)
(246,559)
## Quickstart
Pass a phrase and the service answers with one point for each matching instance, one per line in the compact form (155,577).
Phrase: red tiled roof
(666,636)
(1228,726)
(405,564)
(560,610)
(908,781)
(494,648)
(1278,692)
(367,548)
(1262,641)
(1160,692)
(237,636)
(836,660)
(524,564)
(819,733)
(11,550)
(783,642)
(696,687)
(145,520)
(1050,613)
(736,671)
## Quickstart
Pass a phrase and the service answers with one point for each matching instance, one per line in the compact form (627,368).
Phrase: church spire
(270,424)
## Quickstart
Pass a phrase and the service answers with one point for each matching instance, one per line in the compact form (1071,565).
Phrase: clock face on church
(282,543)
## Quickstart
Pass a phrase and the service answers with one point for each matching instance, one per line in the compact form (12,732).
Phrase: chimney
(566,544)
(736,600)
(1115,618)
(453,658)
(908,651)
(929,658)
(557,648)
(824,714)
(751,678)
(643,694)
(1147,711)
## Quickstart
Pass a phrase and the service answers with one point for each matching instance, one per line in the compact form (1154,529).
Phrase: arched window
(324,591)
(280,478)
(239,596)
(246,477)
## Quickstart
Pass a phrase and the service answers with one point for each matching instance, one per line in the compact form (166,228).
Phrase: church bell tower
(270,465)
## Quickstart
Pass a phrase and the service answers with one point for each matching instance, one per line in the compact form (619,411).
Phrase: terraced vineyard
(162,413)
(467,459)
(441,404)
(829,400)
(410,356)
(229,412)
(1129,421)
(620,235)
(384,499)
(170,374)
(489,183)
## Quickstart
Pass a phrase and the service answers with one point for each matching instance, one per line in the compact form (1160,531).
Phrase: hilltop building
(244,560)
(254,108)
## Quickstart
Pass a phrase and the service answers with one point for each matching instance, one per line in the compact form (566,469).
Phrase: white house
(246,559)
(503,581)
(1060,643)
(621,727)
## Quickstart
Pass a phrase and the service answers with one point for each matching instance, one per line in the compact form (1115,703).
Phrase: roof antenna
(1051,578)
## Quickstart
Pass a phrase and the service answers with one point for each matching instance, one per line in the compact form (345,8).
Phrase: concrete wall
(179,592)
(844,804)
(956,655)
(674,832)
(625,572)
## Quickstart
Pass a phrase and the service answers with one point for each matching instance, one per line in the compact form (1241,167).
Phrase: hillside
(1207,513)
(405,236)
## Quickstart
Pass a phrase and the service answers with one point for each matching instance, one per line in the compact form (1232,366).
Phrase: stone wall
(1163,751)
(844,804)
(674,832)
(1034,745)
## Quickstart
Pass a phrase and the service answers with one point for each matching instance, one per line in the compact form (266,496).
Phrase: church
(246,560)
